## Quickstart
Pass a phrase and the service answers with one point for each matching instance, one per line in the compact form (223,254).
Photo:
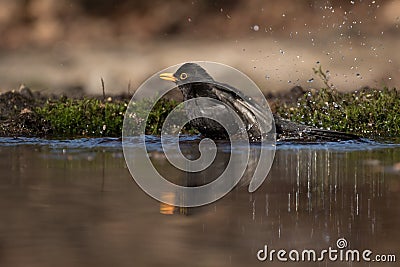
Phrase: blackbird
(194,81)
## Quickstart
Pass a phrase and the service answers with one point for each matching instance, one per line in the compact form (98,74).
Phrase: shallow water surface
(74,203)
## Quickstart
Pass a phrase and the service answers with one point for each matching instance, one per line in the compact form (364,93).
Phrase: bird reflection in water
(206,176)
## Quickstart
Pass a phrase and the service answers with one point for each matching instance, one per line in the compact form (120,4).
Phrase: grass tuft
(96,118)
(367,112)
(83,117)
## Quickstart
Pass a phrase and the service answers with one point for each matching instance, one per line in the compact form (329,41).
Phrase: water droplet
(256,28)
(281,51)
(310,80)
(189,19)
(267,77)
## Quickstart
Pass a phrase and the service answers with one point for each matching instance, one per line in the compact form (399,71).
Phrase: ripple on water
(154,143)
(68,143)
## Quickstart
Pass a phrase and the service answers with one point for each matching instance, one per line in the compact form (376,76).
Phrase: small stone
(25,111)
(25,91)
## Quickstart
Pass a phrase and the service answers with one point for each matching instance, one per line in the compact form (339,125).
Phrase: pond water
(74,203)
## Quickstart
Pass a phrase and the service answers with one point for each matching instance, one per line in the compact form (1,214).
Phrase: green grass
(368,112)
(85,117)
(157,115)
(96,118)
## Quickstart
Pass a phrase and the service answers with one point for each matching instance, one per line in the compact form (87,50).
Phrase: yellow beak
(168,76)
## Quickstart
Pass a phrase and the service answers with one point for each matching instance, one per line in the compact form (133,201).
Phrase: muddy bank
(18,116)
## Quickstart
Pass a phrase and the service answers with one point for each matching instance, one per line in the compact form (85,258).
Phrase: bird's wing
(248,110)
(257,117)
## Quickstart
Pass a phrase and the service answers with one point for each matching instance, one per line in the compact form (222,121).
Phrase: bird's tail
(292,131)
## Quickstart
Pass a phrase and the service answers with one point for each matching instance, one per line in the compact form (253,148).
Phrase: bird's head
(187,73)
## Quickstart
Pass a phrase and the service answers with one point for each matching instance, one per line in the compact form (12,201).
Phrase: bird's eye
(183,76)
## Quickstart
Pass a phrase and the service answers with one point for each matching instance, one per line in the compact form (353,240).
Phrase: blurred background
(68,45)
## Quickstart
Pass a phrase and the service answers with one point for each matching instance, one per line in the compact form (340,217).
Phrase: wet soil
(18,116)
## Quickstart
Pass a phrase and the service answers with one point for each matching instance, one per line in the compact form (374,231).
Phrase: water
(74,203)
